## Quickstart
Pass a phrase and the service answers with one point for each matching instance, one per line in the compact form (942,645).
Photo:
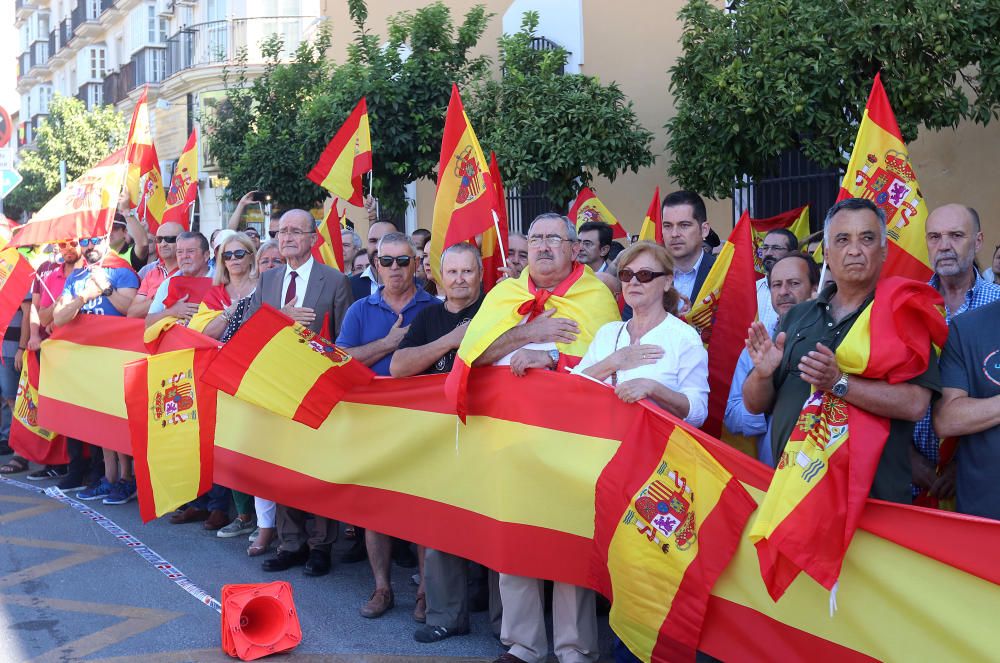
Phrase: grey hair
(463,247)
(355,237)
(271,243)
(851,204)
(292,213)
(547,216)
(395,238)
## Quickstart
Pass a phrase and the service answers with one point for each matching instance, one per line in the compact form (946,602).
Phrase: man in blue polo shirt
(371,332)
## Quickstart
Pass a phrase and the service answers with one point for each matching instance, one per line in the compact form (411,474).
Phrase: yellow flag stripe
(282,390)
(105,367)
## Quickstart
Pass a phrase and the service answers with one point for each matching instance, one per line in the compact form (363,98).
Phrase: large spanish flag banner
(16,275)
(329,250)
(880,171)
(722,312)
(581,297)
(346,158)
(465,203)
(825,473)
(183,189)
(652,224)
(27,438)
(278,364)
(85,208)
(453,491)
(171,414)
(795,221)
(588,207)
(495,244)
(144,180)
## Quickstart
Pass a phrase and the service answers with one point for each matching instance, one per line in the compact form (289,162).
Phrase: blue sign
(9,178)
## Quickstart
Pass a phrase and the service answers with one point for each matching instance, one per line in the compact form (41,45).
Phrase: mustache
(946,255)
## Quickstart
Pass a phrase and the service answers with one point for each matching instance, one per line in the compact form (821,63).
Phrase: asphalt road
(70,590)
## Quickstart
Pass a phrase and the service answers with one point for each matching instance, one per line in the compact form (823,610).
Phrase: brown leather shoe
(509,658)
(189,515)
(378,604)
(216,520)
(420,609)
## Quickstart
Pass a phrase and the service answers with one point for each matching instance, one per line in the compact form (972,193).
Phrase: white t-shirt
(505,361)
(683,367)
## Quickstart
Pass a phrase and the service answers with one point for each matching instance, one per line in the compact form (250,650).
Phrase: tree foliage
(554,127)
(779,75)
(72,134)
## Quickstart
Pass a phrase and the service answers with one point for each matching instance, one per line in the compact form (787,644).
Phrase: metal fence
(798,181)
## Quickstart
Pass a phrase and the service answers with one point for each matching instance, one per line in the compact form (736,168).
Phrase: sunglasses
(72,242)
(166,239)
(644,275)
(272,233)
(402,261)
(239,254)
(91,241)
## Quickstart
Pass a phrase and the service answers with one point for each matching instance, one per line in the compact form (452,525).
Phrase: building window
(98,63)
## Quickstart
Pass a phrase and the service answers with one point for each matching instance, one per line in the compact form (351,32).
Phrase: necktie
(290,293)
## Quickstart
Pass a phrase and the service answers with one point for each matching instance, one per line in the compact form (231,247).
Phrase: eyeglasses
(166,239)
(239,254)
(272,233)
(294,232)
(587,244)
(644,275)
(91,241)
(771,248)
(402,261)
(72,242)
(551,241)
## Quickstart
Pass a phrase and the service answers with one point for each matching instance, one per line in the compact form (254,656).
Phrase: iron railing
(85,10)
(91,94)
(148,66)
(53,43)
(797,181)
(525,203)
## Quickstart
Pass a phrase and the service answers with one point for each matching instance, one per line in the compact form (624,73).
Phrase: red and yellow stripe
(346,158)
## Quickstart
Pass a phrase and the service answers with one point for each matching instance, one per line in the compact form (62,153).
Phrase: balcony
(39,52)
(219,42)
(86,17)
(149,65)
(91,94)
(115,86)
(23,9)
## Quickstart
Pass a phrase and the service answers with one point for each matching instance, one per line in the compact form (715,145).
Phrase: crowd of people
(391,313)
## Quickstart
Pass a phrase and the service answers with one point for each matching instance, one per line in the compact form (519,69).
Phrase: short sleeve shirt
(371,318)
(120,277)
(432,323)
(970,361)
(810,323)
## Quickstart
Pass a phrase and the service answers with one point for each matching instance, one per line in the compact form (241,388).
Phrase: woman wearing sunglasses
(654,355)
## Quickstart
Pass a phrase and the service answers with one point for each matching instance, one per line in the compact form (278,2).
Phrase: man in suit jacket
(308,292)
(685,227)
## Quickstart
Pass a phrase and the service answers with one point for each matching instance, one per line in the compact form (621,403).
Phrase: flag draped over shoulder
(143,179)
(722,311)
(465,201)
(171,414)
(495,244)
(15,282)
(824,475)
(652,224)
(588,207)
(183,189)
(27,438)
(329,250)
(346,158)
(669,518)
(581,297)
(85,208)
(880,171)
(795,221)
(277,364)
(195,288)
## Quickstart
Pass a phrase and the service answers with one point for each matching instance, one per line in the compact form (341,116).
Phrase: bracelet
(22,347)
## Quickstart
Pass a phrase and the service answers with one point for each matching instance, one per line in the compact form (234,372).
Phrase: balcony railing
(91,94)
(85,10)
(65,32)
(39,51)
(23,64)
(106,5)
(53,43)
(219,42)
(149,66)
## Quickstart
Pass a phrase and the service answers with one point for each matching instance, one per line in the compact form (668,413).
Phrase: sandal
(261,544)
(15,465)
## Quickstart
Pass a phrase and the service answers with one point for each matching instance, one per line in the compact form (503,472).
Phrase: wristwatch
(107,291)
(840,386)
(554,356)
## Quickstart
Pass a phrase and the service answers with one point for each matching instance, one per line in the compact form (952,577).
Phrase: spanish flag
(588,207)
(183,189)
(652,224)
(880,171)
(171,414)
(493,244)
(27,438)
(279,365)
(346,158)
(85,208)
(144,180)
(795,221)
(466,195)
(581,297)
(669,519)
(329,250)
(195,288)
(722,311)
(813,505)
(16,276)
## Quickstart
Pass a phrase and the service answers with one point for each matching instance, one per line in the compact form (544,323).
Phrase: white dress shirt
(301,281)
(765,311)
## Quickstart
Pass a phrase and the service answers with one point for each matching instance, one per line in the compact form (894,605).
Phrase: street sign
(7,158)
(9,178)
(6,128)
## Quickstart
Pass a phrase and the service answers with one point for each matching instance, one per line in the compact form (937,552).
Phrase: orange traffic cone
(258,620)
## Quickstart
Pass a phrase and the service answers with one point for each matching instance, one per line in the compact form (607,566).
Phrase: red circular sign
(5,127)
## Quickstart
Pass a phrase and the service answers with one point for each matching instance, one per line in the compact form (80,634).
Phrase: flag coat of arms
(183,189)
(346,158)
(465,202)
(588,207)
(795,221)
(652,224)
(27,438)
(880,171)
(143,179)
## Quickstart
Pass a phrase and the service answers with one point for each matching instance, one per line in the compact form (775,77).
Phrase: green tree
(72,134)
(554,127)
(779,75)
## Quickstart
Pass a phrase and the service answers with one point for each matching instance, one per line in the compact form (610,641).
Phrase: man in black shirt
(429,347)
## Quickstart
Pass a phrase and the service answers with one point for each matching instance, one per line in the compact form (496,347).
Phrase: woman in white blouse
(654,355)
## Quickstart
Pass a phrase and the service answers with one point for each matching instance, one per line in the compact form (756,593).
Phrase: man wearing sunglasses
(309,293)
(775,245)
(372,331)
(159,271)
(366,284)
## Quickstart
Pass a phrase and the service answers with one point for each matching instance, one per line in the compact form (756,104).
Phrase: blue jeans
(8,391)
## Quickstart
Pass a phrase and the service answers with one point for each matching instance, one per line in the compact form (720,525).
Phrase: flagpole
(496,227)
(822,277)
(371,190)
